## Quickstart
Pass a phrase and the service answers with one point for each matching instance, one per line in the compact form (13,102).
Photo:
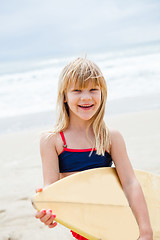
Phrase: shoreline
(113,108)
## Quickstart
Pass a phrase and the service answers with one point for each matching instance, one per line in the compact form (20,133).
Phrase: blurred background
(38,38)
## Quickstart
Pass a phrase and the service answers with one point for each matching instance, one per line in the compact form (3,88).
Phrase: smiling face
(82,94)
(84,102)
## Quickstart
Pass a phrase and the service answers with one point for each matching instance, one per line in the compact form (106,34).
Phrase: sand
(21,171)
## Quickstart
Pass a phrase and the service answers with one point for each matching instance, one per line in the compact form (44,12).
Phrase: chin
(86,118)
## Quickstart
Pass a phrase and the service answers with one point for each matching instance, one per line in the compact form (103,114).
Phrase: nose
(86,95)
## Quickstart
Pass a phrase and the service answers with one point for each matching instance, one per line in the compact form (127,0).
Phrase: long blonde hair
(80,72)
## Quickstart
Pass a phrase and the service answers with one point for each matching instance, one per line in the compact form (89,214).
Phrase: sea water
(31,87)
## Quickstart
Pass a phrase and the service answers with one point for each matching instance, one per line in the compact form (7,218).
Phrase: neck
(79,124)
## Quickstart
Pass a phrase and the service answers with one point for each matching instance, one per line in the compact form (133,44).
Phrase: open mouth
(85,106)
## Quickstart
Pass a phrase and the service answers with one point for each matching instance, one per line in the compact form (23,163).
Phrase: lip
(86,106)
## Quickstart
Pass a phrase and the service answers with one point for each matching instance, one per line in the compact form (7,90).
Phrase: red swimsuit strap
(63,139)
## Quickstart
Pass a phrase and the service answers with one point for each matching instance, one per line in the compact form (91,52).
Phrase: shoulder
(114,138)
(117,140)
(50,140)
(47,139)
(118,151)
(115,135)
(49,157)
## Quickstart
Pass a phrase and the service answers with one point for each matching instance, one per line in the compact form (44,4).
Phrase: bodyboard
(93,204)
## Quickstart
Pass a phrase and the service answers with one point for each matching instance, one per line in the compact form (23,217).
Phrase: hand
(146,237)
(46,216)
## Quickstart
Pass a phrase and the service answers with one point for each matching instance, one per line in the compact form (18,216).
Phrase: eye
(76,90)
(94,89)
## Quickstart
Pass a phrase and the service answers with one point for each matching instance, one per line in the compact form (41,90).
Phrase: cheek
(71,99)
(99,98)
(67,97)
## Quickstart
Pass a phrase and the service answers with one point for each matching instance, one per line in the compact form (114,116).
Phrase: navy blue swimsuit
(73,160)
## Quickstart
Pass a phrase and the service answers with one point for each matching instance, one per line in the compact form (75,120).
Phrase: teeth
(86,106)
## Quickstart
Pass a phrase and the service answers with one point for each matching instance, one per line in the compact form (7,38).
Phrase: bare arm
(130,185)
(49,158)
(51,174)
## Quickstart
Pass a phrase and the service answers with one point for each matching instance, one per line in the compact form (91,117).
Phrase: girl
(81,140)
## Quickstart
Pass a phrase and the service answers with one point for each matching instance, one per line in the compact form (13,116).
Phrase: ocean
(132,76)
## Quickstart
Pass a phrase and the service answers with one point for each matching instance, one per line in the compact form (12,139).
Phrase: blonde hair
(80,72)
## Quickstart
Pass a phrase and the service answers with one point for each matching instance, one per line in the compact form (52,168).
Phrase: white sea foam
(129,73)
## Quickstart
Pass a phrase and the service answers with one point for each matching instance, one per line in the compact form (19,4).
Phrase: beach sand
(21,171)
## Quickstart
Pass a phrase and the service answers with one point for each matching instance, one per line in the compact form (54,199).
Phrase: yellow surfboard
(93,204)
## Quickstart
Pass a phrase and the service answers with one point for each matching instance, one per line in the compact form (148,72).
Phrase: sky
(36,29)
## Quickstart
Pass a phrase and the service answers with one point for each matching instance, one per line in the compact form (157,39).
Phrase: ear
(65,100)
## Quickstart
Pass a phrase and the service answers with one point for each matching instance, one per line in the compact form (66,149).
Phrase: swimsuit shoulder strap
(63,139)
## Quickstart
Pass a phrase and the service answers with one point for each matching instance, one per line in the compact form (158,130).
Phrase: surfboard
(93,204)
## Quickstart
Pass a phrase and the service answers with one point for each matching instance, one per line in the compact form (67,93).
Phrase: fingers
(46,217)
(40,214)
(52,225)
(49,220)
(39,190)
